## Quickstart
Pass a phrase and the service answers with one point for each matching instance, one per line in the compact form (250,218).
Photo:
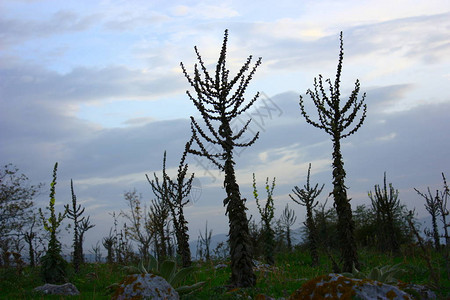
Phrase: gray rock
(337,286)
(58,289)
(220,266)
(145,286)
(424,292)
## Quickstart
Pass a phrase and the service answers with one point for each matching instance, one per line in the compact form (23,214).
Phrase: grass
(290,271)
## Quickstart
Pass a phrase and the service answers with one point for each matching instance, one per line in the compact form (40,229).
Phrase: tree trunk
(344,211)
(437,244)
(241,257)
(312,237)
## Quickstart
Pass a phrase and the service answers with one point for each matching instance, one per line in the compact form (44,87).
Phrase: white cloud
(387,137)
(205,11)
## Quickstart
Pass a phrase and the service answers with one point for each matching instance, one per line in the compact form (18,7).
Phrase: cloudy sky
(97,87)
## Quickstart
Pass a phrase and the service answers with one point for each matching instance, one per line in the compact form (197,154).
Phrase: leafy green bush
(386,274)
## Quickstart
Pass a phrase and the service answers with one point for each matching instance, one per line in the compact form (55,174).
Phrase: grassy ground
(290,271)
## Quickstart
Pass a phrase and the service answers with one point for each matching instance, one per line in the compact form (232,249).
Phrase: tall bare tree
(336,119)
(220,100)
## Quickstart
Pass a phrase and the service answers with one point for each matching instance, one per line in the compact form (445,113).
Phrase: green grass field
(290,271)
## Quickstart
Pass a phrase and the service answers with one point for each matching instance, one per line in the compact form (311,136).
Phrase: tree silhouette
(386,204)
(307,197)
(204,240)
(159,220)
(220,99)
(16,206)
(75,215)
(336,120)
(174,193)
(53,265)
(108,243)
(267,214)
(139,219)
(288,219)
(432,206)
(85,225)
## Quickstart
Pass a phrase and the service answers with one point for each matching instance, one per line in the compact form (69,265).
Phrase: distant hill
(296,236)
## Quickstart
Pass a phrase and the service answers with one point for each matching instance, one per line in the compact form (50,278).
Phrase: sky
(97,87)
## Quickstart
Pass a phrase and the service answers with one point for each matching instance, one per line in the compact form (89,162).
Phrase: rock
(266,268)
(220,266)
(336,286)
(58,289)
(421,291)
(145,286)
(265,297)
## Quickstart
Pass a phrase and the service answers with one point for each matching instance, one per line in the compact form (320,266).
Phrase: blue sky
(97,86)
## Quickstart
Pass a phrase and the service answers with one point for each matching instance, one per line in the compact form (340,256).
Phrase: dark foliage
(159,219)
(220,99)
(432,206)
(175,193)
(85,225)
(288,219)
(204,243)
(443,199)
(336,120)
(370,233)
(385,205)
(16,202)
(29,237)
(108,243)
(437,206)
(138,229)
